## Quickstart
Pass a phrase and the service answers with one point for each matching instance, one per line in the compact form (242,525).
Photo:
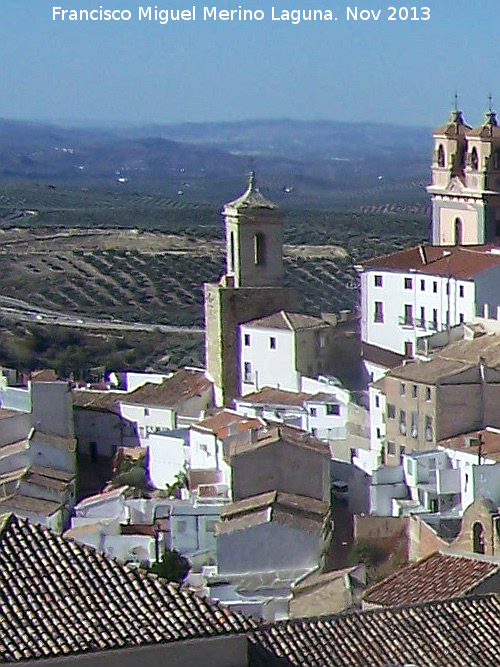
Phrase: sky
(139,71)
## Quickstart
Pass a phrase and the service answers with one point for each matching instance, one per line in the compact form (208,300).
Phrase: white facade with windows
(267,359)
(398,307)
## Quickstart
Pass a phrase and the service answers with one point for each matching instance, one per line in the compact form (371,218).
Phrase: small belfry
(465,187)
(251,287)
(254,239)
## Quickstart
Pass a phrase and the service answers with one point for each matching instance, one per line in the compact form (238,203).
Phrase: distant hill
(298,163)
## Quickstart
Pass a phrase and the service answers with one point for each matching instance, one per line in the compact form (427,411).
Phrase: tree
(172,567)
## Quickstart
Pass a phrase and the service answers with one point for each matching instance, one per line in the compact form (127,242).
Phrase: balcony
(419,323)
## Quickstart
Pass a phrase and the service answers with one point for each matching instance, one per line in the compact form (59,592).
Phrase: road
(22,311)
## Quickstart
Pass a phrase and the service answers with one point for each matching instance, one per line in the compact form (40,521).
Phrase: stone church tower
(251,287)
(465,188)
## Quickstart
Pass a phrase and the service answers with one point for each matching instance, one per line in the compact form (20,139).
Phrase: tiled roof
(5,413)
(252,198)
(490,447)
(52,440)
(227,422)
(452,359)
(60,598)
(272,396)
(104,401)
(186,383)
(288,322)
(44,375)
(21,504)
(455,261)
(460,632)
(276,432)
(380,357)
(436,577)
(289,509)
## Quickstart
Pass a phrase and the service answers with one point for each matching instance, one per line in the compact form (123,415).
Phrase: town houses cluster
(310,450)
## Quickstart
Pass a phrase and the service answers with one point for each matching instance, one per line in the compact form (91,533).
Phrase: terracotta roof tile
(186,383)
(61,598)
(288,322)
(461,632)
(490,447)
(227,422)
(104,401)
(272,396)
(437,577)
(456,261)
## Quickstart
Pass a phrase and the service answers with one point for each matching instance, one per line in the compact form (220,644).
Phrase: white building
(276,351)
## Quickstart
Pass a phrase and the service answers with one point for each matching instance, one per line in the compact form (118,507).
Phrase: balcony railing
(419,323)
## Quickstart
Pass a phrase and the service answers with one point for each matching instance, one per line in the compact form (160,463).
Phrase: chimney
(423,254)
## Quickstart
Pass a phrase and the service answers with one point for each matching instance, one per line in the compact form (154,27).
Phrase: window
(427,393)
(458,231)
(231,252)
(461,291)
(322,340)
(422,285)
(247,371)
(408,283)
(210,525)
(402,452)
(378,433)
(272,343)
(461,318)
(146,412)
(391,411)
(474,159)
(414,425)
(379,312)
(434,318)
(402,388)
(422,317)
(391,448)
(447,288)
(409,466)
(441,156)
(402,422)
(414,391)
(478,545)
(378,281)
(434,286)
(332,409)
(313,412)
(181,527)
(314,432)
(408,314)
(377,401)
(428,428)
(259,249)
(247,340)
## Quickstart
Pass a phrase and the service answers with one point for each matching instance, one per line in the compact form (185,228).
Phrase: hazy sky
(204,70)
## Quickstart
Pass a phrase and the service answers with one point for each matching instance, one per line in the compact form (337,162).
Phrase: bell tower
(465,187)
(254,239)
(251,287)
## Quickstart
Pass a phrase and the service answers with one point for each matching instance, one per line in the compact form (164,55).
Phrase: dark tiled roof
(289,322)
(103,401)
(380,357)
(60,598)
(437,577)
(288,509)
(462,632)
(456,261)
(186,383)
